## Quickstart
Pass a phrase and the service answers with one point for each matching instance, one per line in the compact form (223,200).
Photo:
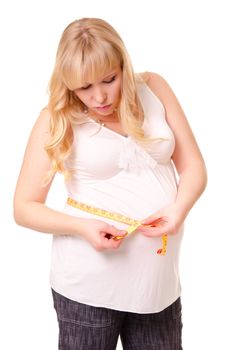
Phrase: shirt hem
(116,308)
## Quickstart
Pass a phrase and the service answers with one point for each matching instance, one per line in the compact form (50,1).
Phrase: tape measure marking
(133,224)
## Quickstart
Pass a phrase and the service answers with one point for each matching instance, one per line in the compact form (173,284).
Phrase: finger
(116,232)
(152,225)
(152,231)
(108,235)
(130,229)
(116,238)
(111,243)
(151,219)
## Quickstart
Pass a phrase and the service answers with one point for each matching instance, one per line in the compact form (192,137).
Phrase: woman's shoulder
(157,84)
(45,113)
(152,79)
(42,123)
(44,117)
(142,77)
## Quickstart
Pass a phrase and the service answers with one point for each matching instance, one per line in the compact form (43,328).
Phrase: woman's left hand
(165,221)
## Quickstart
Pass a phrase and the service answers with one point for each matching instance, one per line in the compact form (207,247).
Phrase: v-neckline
(109,129)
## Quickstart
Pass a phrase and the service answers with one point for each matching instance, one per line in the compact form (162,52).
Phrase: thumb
(153,231)
(151,219)
(116,232)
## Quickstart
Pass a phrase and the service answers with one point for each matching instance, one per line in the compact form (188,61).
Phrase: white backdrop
(189,44)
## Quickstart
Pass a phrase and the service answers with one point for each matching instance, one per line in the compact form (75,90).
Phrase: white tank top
(116,174)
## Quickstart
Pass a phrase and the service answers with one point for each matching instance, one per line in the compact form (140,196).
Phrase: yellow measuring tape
(133,224)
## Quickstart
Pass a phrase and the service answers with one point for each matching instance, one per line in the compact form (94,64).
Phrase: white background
(188,43)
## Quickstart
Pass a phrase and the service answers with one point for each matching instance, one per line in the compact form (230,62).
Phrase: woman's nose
(99,95)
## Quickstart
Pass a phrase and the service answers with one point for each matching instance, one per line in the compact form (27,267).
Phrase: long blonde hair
(88,48)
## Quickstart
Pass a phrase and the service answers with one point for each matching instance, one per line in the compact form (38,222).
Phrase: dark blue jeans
(85,327)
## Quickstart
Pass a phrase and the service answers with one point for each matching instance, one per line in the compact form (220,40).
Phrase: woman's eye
(85,87)
(109,81)
(105,81)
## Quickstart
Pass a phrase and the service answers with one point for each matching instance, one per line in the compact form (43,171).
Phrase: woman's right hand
(101,235)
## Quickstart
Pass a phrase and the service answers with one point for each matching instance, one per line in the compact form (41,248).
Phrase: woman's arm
(187,157)
(30,196)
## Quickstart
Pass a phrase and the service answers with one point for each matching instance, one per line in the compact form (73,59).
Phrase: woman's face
(101,97)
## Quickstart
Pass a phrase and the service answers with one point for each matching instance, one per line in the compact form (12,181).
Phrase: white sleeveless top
(116,174)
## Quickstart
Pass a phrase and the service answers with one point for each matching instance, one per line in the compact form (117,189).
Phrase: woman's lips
(103,107)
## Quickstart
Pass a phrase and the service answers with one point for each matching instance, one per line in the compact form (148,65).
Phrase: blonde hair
(88,48)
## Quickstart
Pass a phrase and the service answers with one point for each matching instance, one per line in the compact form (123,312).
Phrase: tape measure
(133,224)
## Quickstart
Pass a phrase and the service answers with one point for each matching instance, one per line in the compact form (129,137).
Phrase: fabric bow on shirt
(135,157)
